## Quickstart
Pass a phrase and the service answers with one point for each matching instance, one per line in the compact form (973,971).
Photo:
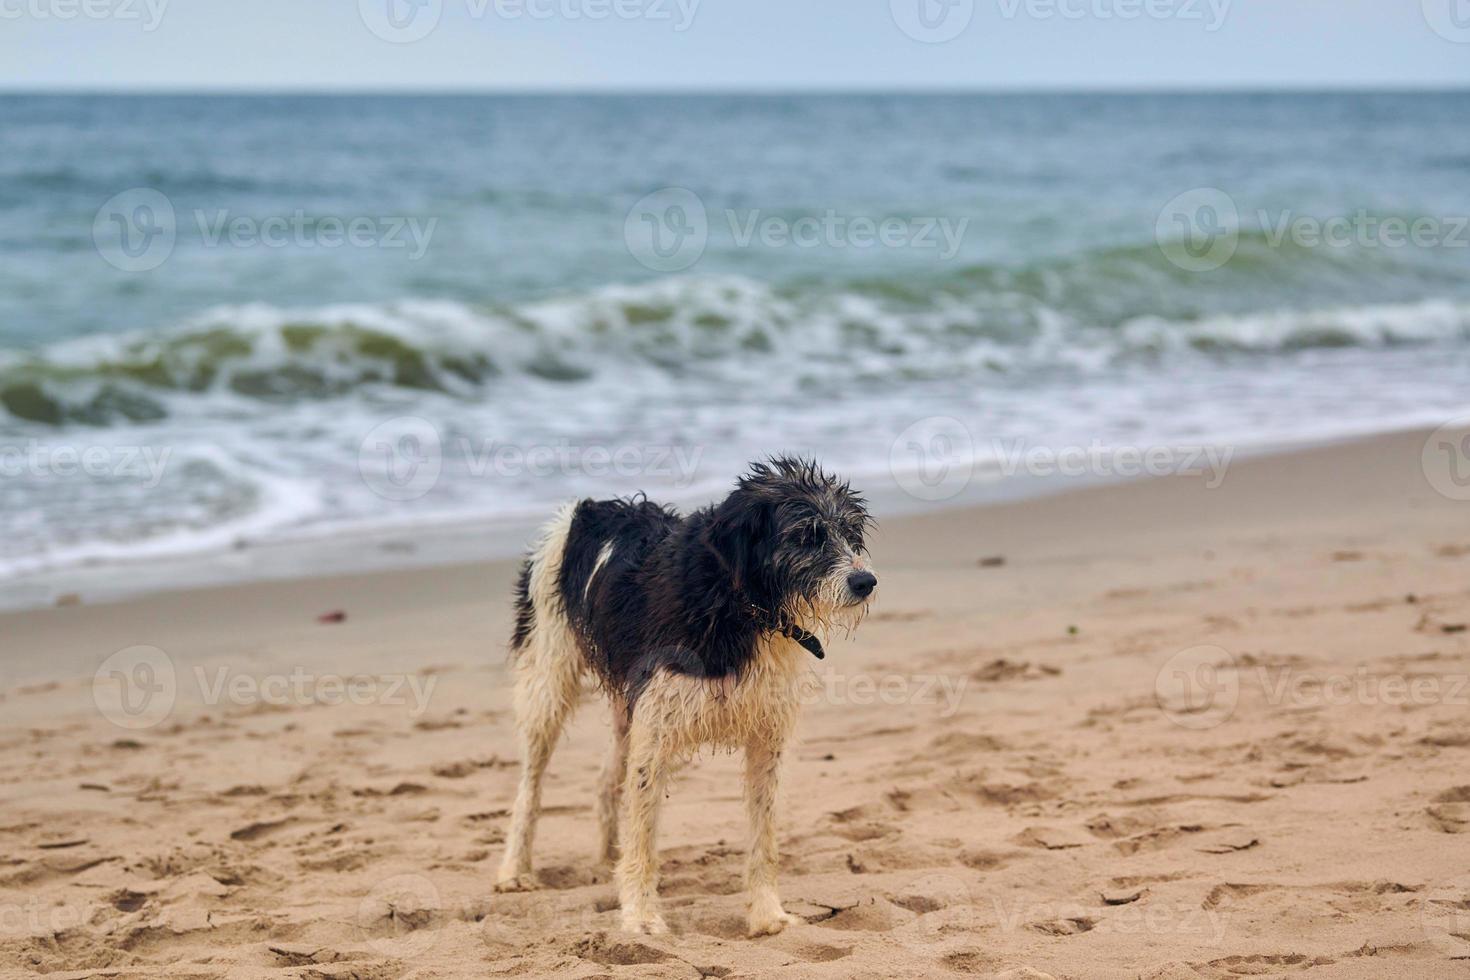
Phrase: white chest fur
(690,712)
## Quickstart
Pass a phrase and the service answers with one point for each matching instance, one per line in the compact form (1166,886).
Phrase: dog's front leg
(762,771)
(648,765)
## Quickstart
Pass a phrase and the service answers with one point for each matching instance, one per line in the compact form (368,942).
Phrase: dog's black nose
(862,584)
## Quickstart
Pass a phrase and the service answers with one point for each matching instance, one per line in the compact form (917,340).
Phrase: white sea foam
(1437,321)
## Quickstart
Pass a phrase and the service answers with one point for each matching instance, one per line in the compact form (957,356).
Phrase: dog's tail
(538,597)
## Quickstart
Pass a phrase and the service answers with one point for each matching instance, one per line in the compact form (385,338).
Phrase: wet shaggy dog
(698,629)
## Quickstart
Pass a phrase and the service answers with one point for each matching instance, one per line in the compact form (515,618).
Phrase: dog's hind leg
(548,675)
(762,769)
(648,764)
(610,791)
(547,686)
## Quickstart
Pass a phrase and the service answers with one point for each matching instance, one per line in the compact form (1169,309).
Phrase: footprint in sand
(401,916)
(1223,896)
(303,954)
(971,961)
(865,830)
(818,953)
(1230,842)
(616,951)
(981,860)
(260,829)
(1448,736)
(965,745)
(1252,965)
(1008,670)
(1063,927)
(1053,838)
(867,915)
(1444,915)
(1450,811)
(398,789)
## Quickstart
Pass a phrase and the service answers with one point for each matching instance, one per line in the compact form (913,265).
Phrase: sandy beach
(1151,730)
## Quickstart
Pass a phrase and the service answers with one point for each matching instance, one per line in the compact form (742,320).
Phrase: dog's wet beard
(830,606)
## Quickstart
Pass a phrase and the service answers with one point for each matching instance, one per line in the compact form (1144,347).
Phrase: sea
(344,330)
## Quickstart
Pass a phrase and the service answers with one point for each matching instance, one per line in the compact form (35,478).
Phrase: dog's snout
(862,584)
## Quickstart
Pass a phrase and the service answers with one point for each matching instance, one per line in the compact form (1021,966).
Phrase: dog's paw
(523,882)
(651,924)
(769,922)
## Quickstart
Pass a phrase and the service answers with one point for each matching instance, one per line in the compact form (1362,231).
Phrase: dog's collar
(791,631)
(811,643)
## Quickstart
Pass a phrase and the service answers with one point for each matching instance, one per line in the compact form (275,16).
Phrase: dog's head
(792,537)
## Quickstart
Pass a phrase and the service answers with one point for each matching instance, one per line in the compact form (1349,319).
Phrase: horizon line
(1226,89)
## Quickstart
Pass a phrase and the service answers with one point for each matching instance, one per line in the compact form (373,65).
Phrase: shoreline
(453,540)
(469,575)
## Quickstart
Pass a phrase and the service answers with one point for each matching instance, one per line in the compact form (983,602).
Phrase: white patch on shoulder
(602,557)
(546,559)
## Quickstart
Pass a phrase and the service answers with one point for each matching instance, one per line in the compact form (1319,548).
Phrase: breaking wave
(716,331)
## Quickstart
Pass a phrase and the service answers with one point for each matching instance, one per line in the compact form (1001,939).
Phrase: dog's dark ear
(740,535)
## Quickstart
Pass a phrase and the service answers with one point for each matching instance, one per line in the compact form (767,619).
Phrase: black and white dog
(698,629)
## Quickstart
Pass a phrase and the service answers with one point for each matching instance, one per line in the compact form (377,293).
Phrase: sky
(731,44)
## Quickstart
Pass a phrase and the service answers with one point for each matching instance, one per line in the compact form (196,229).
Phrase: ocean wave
(1429,322)
(673,332)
